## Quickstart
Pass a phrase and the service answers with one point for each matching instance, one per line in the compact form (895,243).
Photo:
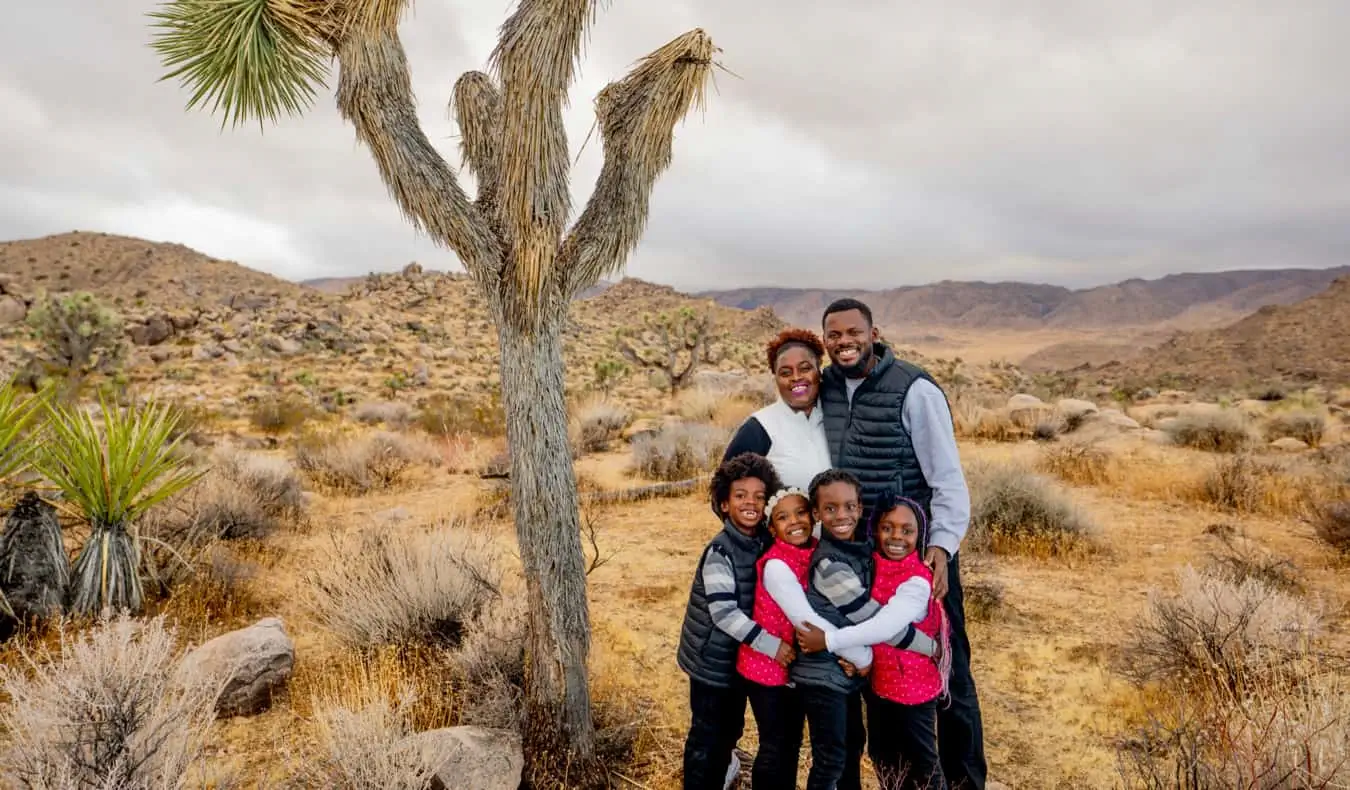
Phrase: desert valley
(1156,570)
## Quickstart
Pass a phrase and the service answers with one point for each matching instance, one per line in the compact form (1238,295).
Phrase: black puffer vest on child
(707,653)
(822,669)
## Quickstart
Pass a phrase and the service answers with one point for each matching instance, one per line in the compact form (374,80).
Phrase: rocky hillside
(1182,300)
(1298,343)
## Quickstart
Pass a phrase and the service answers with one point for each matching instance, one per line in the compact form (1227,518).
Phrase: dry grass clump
(362,463)
(390,413)
(1309,427)
(280,414)
(1214,430)
(679,451)
(406,587)
(1218,635)
(995,425)
(369,748)
(1016,511)
(1332,525)
(453,415)
(108,710)
(246,495)
(1077,463)
(598,424)
(489,666)
(1279,487)
(699,404)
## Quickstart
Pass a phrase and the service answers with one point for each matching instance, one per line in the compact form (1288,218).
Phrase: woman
(789,432)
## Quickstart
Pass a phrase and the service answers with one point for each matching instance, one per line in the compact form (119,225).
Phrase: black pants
(835,720)
(780,716)
(717,719)
(904,745)
(960,731)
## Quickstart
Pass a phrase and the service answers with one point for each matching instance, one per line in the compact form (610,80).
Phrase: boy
(717,620)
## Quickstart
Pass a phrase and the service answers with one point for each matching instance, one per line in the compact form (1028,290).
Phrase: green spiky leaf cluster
(112,473)
(250,58)
(16,415)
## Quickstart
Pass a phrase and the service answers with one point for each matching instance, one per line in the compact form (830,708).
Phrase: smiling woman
(789,432)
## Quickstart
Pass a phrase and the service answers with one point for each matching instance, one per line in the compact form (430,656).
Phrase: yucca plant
(16,415)
(110,474)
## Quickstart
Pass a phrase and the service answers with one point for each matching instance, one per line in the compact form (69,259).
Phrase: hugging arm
(719,584)
(787,592)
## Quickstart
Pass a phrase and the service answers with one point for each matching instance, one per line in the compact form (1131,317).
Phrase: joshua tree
(258,58)
(680,342)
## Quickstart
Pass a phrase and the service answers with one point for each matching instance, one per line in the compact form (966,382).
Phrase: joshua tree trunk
(512,238)
(544,501)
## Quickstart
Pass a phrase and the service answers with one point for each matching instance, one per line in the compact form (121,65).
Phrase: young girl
(780,605)
(905,686)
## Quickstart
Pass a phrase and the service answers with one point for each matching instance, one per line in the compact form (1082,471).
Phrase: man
(889,424)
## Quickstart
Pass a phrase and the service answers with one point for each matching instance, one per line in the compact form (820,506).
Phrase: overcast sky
(860,144)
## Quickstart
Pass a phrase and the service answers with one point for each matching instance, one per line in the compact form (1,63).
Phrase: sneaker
(733,771)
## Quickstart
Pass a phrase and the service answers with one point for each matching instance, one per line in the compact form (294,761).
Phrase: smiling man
(888,423)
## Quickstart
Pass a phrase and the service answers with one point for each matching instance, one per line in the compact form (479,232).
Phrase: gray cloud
(859,144)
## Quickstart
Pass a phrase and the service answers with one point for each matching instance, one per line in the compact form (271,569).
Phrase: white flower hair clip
(779,496)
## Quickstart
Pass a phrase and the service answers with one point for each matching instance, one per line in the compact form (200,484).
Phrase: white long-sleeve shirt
(908,605)
(782,585)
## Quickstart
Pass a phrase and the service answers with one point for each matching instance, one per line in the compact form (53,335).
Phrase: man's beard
(858,369)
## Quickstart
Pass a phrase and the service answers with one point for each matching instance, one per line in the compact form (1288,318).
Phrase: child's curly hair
(833,476)
(795,337)
(739,468)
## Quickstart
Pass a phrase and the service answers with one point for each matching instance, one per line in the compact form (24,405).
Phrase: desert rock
(472,757)
(252,662)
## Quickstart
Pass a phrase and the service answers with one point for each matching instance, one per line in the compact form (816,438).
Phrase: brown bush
(1332,525)
(1308,427)
(362,463)
(281,413)
(369,748)
(452,415)
(679,451)
(598,424)
(391,413)
(1078,463)
(407,587)
(1220,635)
(699,404)
(1016,511)
(1217,430)
(1241,559)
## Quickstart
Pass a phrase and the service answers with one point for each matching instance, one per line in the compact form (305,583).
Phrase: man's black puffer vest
(822,669)
(706,652)
(869,438)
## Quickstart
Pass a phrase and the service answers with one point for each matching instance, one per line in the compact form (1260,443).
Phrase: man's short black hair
(833,476)
(739,468)
(843,306)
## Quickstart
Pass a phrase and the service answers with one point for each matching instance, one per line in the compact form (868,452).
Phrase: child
(905,687)
(839,580)
(780,604)
(717,620)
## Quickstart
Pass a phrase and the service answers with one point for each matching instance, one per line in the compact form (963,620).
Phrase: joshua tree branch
(637,117)
(534,61)
(478,110)
(375,94)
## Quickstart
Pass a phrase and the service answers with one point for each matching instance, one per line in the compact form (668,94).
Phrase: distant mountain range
(1181,301)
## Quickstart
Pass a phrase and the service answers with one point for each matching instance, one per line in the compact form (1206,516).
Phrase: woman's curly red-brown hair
(800,337)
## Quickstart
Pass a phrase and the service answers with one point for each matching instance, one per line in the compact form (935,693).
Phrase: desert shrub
(1079,463)
(392,413)
(489,666)
(109,710)
(1241,559)
(369,748)
(1047,428)
(598,424)
(407,587)
(243,495)
(77,334)
(679,451)
(1245,484)
(1017,511)
(699,404)
(362,463)
(1222,635)
(280,413)
(1332,525)
(1307,426)
(975,422)
(451,415)
(758,391)
(1218,430)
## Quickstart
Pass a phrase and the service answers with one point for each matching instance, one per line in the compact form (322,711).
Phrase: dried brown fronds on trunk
(535,60)
(478,111)
(375,94)
(637,117)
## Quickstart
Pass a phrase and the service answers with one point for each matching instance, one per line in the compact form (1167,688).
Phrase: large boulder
(13,310)
(34,566)
(152,332)
(251,663)
(472,757)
